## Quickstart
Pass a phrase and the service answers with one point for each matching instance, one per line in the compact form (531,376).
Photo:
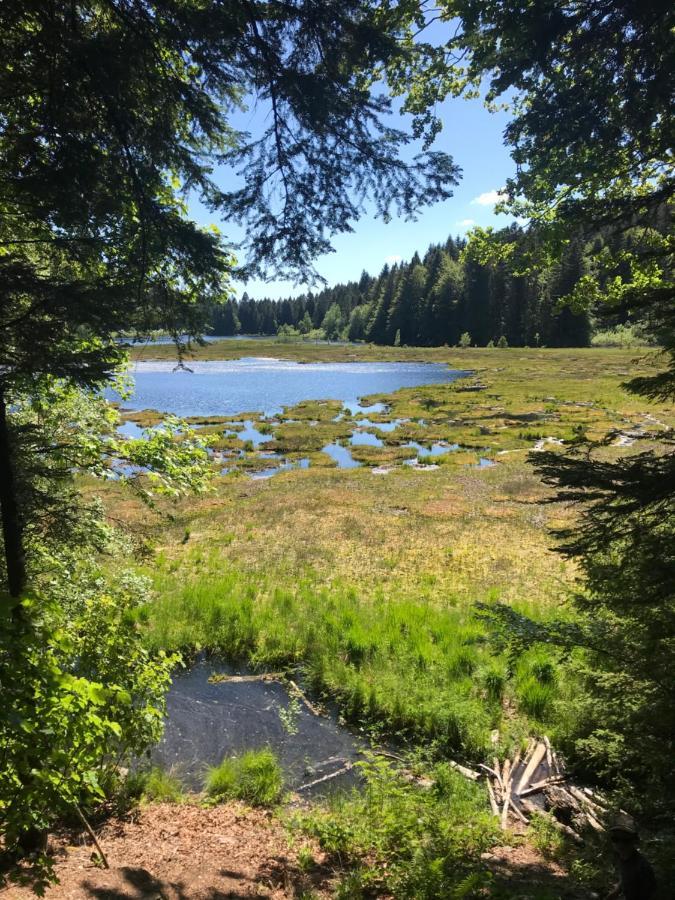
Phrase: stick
(301,695)
(493,801)
(390,755)
(495,763)
(90,831)
(305,787)
(535,760)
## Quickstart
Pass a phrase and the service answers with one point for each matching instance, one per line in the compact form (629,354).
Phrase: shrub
(405,841)
(255,778)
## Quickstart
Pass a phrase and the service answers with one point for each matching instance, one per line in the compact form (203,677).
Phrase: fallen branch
(514,808)
(494,773)
(243,679)
(492,798)
(311,784)
(295,690)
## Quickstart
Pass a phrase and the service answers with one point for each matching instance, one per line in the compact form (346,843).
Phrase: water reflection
(438,449)
(341,455)
(365,439)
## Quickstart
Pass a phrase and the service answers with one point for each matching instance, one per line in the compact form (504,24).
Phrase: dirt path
(169,852)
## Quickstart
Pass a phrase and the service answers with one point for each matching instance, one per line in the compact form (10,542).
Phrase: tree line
(448,296)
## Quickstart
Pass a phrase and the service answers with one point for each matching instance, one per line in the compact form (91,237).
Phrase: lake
(267,385)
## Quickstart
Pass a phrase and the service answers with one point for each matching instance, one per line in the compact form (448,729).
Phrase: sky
(472,136)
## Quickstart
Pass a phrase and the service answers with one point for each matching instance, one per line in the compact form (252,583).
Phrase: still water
(207,721)
(267,385)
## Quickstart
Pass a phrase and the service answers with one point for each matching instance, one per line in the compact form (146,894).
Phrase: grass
(255,778)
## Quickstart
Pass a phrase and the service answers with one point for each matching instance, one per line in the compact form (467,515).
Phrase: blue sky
(473,137)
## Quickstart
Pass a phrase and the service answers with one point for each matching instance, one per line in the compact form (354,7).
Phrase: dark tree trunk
(11,521)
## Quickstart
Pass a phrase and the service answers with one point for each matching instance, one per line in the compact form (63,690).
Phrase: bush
(255,778)
(620,336)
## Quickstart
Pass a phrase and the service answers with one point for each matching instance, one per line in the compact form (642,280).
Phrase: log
(505,808)
(491,797)
(535,760)
(495,763)
(523,818)
(508,782)
(467,773)
(531,744)
(584,798)
(565,829)
(593,822)
(549,754)
(540,785)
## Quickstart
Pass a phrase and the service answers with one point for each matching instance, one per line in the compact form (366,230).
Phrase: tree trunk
(11,521)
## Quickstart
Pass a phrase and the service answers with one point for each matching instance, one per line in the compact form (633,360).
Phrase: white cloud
(489,198)
(465,223)
(391,260)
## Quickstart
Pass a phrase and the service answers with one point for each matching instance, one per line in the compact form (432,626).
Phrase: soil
(184,852)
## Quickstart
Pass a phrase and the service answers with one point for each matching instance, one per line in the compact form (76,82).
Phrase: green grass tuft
(254,778)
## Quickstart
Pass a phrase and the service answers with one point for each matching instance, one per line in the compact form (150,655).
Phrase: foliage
(332,322)
(620,336)
(620,643)
(80,693)
(255,777)
(404,840)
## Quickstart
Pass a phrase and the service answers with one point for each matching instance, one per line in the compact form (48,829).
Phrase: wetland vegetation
(362,583)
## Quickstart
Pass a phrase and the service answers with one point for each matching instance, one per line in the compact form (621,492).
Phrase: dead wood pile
(536,783)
